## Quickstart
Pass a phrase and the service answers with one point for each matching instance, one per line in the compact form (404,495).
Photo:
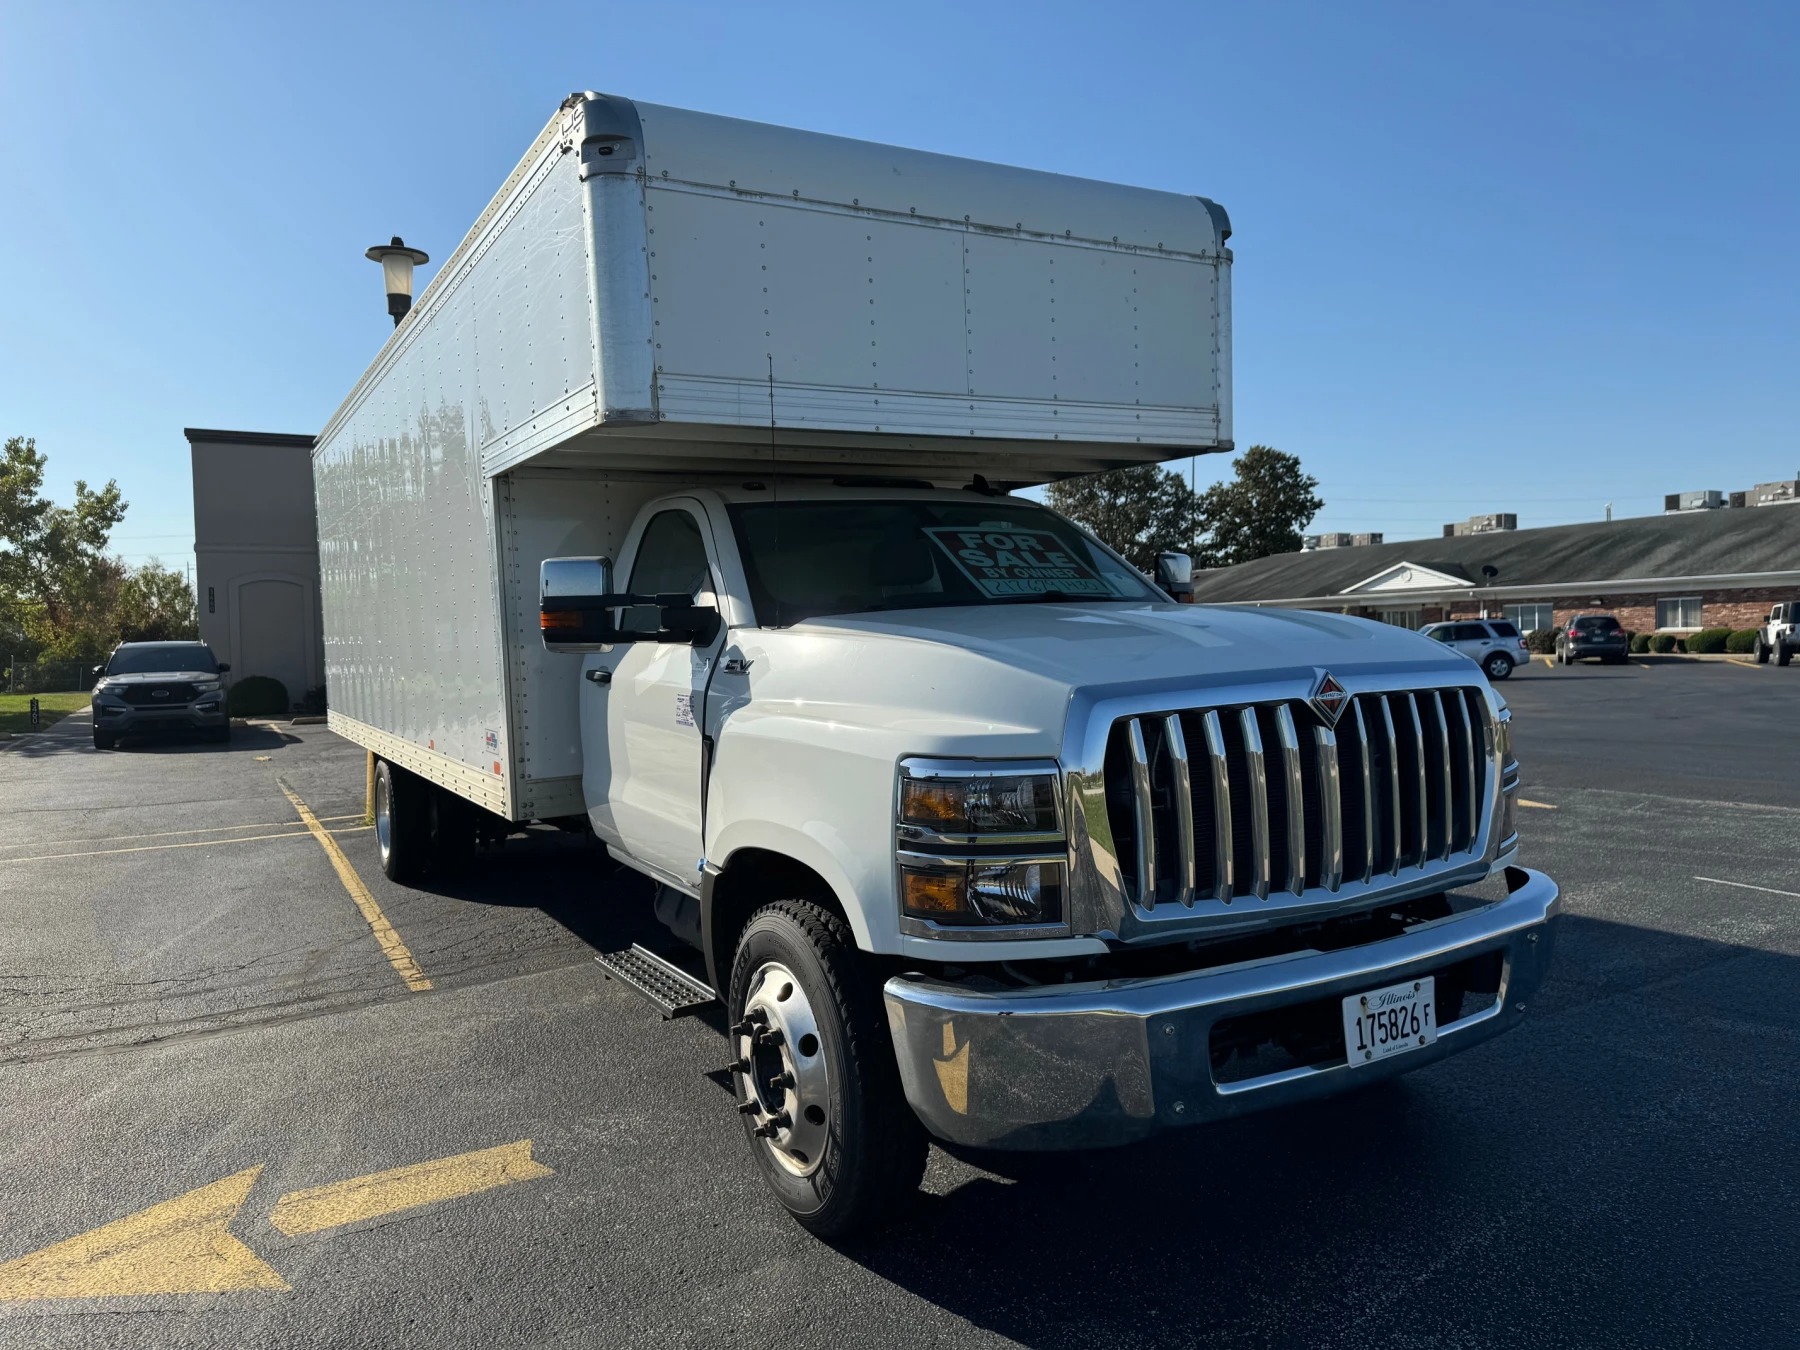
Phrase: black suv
(1596,635)
(160,686)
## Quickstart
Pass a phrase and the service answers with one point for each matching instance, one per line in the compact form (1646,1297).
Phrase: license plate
(1390,1021)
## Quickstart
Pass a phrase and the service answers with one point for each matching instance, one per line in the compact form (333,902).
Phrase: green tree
(1261,509)
(155,605)
(1139,512)
(55,573)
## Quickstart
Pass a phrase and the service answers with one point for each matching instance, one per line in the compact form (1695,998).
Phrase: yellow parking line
(1542,806)
(397,954)
(158,848)
(1550,661)
(170,834)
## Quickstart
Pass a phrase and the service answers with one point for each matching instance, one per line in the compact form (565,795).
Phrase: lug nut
(773,1126)
(772,1039)
(738,1066)
(781,1080)
(748,1108)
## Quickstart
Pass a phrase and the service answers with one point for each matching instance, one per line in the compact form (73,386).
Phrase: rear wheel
(1785,655)
(401,807)
(1498,666)
(814,1073)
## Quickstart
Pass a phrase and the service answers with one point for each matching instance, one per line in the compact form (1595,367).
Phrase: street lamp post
(397,263)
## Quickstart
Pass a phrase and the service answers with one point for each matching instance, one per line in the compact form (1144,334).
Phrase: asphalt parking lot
(194,1009)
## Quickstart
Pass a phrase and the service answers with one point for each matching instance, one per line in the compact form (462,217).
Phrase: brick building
(1672,574)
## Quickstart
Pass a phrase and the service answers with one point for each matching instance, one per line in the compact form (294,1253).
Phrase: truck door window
(671,558)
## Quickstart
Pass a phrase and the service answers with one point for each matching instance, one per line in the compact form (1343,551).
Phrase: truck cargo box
(657,295)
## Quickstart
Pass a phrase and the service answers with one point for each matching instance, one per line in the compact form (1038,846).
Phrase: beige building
(256,555)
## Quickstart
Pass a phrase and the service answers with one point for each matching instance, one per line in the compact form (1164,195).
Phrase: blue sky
(1530,257)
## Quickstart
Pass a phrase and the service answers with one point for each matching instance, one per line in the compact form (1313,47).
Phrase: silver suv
(160,686)
(1780,634)
(1495,645)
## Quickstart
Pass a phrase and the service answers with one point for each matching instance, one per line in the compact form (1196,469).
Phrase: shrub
(1662,642)
(1707,640)
(1542,641)
(1640,642)
(1742,641)
(258,696)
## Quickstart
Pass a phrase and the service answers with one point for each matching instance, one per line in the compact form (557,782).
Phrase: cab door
(643,750)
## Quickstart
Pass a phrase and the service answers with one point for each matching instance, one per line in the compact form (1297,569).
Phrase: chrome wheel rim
(384,817)
(779,1072)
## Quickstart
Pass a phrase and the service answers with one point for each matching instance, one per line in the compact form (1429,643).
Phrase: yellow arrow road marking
(1542,806)
(389,1192)
(398,955)
(180,1246)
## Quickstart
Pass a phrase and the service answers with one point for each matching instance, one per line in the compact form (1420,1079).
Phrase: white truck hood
(1118,645)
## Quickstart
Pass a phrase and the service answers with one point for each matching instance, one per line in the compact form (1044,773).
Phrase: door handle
(599,676)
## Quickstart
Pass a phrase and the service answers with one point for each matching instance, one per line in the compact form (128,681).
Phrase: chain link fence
(73,676)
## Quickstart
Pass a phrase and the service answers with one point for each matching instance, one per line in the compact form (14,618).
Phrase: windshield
(1603,624)
(184,656)
(809,558)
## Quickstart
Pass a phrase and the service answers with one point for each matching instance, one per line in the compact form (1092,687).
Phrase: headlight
(985,801)
(207,686)
(981,849)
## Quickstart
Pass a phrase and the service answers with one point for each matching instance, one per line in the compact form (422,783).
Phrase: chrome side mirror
(1175,574)
(580,612)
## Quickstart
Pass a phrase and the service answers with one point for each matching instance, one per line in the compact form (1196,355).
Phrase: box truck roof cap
(655,290)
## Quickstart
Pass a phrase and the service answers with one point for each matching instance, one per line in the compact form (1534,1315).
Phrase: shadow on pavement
(1600,1176)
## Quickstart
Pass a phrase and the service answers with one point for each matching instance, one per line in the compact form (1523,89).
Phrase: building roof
(1720,543)
(202,435)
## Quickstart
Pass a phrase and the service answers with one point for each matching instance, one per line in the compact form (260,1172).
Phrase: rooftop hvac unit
(1694,501)
(1488,524)
(1365,540)
(1739,500)
(1776,494)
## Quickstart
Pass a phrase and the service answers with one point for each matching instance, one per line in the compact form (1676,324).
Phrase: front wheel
(104,740)
(1762,652)
(1498,666)
(814,1073)
(401,821)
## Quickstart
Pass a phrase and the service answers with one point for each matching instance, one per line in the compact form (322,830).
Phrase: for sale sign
(1003,562)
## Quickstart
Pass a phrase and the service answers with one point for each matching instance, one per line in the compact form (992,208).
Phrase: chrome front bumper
(1088,1065)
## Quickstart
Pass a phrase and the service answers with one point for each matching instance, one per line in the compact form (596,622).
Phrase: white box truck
(679,509)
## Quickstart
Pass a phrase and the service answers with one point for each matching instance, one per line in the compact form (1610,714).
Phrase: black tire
(1783,656)
(451,824)
(1762,652)
(875,1147)
(217,735)
(104,740)
(401,820)
(1498,666)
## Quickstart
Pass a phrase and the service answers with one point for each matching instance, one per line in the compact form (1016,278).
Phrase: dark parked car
(160,686)
(1592,635)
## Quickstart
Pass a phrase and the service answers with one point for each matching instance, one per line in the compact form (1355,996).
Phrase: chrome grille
(1247,802)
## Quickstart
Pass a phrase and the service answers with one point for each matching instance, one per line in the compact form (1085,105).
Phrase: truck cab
(1114,864)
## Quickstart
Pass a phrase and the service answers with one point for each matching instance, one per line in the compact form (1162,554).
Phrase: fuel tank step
(674,992)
